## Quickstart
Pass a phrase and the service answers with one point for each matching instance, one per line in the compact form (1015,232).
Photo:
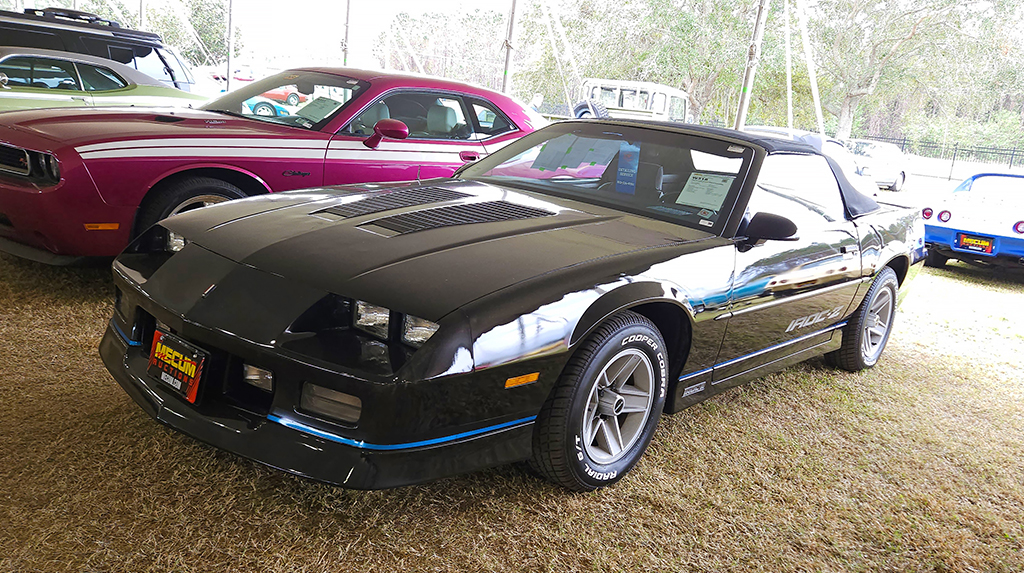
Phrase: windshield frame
(286,78)
(592,128)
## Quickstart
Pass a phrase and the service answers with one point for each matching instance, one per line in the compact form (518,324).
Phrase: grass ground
(914,465)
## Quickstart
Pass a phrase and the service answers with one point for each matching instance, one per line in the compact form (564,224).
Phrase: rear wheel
(867,332)
(184,195)
(935,260)
(595,109)
(602,413)
(898,184)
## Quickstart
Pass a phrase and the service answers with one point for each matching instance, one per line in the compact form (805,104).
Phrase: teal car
(35,78)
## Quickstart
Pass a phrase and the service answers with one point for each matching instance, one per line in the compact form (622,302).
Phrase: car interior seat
(364,122)
(441,120)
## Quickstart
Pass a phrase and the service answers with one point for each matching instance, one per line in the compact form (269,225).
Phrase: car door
(789,296)
(40,83)
(441,139)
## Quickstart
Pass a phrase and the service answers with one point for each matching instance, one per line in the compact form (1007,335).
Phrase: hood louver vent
(395,200)
(488,212)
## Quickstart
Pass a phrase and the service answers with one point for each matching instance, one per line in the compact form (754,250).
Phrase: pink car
(79,183)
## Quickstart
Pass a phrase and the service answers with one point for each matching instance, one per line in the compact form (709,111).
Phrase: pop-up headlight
(330,403)
(372,319)
(416,331)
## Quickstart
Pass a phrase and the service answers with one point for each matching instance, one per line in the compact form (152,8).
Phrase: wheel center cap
(610,403)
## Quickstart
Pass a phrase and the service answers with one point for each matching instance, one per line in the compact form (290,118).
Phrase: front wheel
(602,413)
(865,335)
(898,184)
(293,99)
(184,195)
(264,109)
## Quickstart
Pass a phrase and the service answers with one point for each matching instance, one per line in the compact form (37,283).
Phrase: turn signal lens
(944,216)
(1019,227)
(927,213)
(330,403)
(258,377)
(416,331)
(372,318)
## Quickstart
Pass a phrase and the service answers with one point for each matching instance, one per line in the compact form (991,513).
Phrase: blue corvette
(980,222)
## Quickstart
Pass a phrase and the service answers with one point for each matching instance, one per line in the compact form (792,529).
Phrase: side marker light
(521,380)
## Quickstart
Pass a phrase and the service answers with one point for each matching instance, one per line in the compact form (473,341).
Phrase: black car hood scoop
(465,214)
(391,200)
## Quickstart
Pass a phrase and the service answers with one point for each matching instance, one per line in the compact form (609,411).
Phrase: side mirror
(770,227)
(391,128)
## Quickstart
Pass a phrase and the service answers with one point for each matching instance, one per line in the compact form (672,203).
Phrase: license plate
(176,363)
(975,243)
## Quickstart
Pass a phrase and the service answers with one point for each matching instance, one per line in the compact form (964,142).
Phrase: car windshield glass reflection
(299,99)
(669,176)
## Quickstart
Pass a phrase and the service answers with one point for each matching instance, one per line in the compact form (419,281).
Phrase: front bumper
(280,440)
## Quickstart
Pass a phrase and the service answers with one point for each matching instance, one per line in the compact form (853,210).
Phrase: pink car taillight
(1019,227)
(944,216)
(926,212)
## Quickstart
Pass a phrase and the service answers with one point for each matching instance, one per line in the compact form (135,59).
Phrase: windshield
(674,177)
(301,99)
(994,189)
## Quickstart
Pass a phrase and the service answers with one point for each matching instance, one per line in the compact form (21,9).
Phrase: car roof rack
(76,15)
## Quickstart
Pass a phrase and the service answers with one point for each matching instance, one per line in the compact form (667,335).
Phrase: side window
(30,39)
(677,109)
(801,187)
(659,103)
(627,98)
(489,121)
(41,73)
(125,56)
(608,97)
(96,78)
(181,79)
(148,62)
(645,100)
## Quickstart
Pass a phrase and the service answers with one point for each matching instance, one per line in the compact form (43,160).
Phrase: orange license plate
(975,243)
(176,363)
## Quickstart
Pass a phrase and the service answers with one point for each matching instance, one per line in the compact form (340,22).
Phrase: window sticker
(629,162)
(552,154)
(319,108)
(570,152)
(705,190)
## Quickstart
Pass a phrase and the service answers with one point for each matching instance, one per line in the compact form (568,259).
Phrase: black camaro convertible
(545,304)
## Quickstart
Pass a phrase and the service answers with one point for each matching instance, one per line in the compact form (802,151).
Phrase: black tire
(582,110)
(292,99)
(935,260)
(562,453)
(183,195)
(863,339)
(265,109)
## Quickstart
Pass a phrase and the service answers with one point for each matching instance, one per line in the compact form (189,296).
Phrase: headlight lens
(53,167)
(258,377)
(416,331)
(175,242)
(372,319)
(330,403)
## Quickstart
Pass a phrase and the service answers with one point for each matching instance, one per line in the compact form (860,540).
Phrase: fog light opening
(258,377)
(330,403)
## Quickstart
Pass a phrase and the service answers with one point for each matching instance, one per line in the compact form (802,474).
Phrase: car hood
(463,240)
(53,128)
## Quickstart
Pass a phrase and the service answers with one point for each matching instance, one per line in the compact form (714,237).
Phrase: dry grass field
(916,465)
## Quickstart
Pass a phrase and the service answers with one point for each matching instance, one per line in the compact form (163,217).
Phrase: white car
(980,222)
(883,162)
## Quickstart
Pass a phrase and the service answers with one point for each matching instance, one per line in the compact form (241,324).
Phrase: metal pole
(508,47)
(789,67)
(753,55)
(142,14)
(801,13)
(231,45)
(348,7)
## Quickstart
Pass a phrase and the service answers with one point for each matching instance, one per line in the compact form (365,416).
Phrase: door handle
(78,98)
(469,156)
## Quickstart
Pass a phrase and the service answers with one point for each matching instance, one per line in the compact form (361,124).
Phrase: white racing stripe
(262,153)
(400,156)
(406,146)
(206,142)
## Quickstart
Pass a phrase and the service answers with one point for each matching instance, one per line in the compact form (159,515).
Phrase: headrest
(440,119)
(371,116)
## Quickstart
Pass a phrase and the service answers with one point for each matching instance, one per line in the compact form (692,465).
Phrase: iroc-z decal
(815,318)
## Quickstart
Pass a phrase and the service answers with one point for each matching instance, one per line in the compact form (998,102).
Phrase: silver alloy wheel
(176,242)
(619,405)
(197,202)
(876,325)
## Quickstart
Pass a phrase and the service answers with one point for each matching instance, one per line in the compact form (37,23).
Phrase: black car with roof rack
(84,33)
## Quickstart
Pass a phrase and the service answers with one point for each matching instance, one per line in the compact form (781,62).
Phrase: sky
(312,33)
